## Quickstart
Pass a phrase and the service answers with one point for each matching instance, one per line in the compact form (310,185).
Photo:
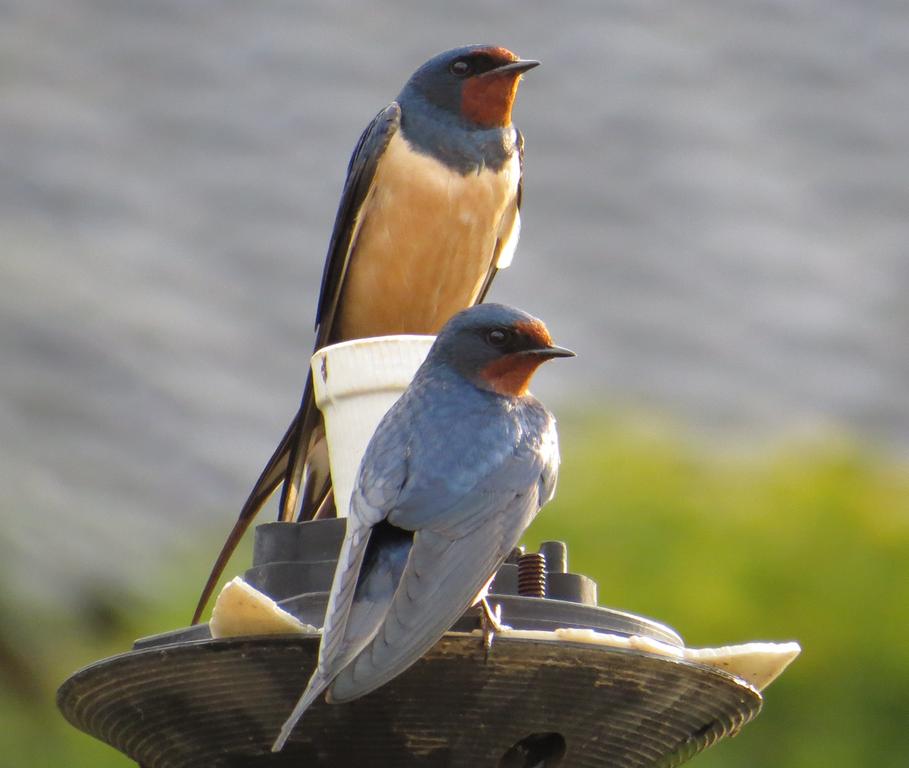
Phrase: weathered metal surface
(220,703)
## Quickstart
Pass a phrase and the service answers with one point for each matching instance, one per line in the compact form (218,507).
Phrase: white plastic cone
(355,383)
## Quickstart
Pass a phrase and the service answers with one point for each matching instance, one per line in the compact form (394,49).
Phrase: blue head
(475,83)
(495,347)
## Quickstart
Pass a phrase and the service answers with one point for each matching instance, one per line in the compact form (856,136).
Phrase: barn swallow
(454,473)
(430,211)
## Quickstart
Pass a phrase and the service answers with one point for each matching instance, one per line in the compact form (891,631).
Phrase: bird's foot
(490,623)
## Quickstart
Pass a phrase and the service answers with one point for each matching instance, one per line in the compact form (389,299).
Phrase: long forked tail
(307,462)
(266,484)
(303,434)
(296,458)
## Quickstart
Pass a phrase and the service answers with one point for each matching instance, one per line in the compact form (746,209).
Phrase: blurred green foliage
(806,541)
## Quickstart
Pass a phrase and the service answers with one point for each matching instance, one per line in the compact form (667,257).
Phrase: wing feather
(360,174)
(360,594)
(295,456)
(441,578)
(332,654)
(358,185)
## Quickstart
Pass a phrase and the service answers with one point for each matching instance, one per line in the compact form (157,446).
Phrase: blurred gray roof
(716,218)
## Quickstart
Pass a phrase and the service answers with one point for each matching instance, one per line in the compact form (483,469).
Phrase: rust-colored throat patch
(487,100)
(510,375)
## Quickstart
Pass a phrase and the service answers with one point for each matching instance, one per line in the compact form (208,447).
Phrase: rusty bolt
(532,575)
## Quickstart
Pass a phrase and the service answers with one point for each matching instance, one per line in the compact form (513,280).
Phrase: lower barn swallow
(454,473)
(429,213)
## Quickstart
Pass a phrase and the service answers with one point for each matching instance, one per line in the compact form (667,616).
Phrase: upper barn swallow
(429,213)
(454,473)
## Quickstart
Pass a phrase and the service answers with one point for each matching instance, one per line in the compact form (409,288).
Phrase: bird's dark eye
(497,337)
(460,67)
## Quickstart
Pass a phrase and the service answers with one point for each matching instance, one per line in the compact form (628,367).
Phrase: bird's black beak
(516,67)
(549,352)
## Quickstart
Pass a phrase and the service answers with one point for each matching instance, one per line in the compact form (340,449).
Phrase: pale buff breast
(425,244)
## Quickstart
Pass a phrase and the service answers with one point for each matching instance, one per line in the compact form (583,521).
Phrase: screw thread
(532,575)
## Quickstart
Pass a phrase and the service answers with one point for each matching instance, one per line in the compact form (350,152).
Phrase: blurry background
(716,218)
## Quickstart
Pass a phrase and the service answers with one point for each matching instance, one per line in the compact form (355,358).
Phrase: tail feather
(317,684)
(291,488)
(301,450)
(265,486)
(317,484)
(308,458)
